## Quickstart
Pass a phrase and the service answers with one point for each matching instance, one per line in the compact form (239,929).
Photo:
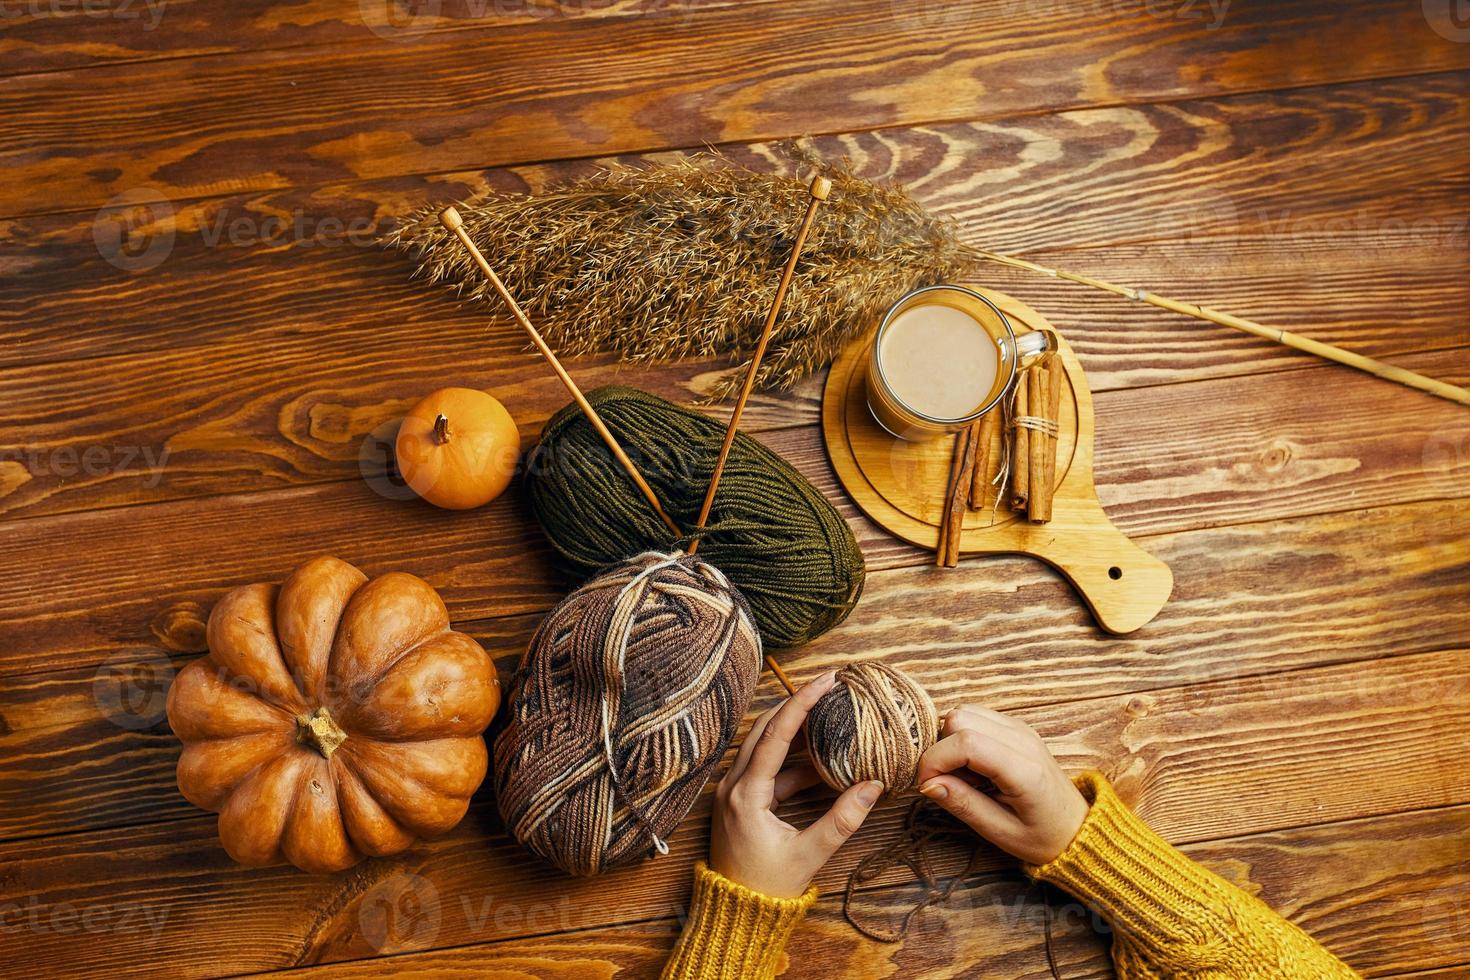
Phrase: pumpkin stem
(441,430)
(319,731)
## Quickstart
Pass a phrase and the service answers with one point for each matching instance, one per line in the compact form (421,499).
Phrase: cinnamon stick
(1056,376)
(1036,442)
(1021,450)
(985,438)
(1038,505)
(952,521)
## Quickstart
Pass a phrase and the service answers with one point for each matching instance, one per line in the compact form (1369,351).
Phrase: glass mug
(932,372)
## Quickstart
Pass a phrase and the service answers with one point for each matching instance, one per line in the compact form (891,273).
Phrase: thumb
(833,828)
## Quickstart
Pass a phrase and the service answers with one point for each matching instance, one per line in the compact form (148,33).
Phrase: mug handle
(1034,343)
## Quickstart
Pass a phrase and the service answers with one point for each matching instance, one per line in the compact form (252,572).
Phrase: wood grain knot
(1275,458)
(181,627)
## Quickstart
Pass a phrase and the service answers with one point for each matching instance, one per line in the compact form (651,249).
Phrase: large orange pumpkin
(334,717)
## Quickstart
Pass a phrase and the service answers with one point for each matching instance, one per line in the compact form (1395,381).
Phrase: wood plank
(583,87)
(290,410)
(1381,893)
(62,37)
(1013,619)
(1194,753)
(1241,449)
(1307,232)
(1263,446)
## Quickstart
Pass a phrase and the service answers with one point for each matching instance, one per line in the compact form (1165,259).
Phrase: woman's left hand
(752,846)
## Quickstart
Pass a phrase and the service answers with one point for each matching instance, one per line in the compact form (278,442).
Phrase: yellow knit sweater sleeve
(1171,917)
(733,933)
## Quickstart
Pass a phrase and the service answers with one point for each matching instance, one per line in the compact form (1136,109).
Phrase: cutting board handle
(1124,585)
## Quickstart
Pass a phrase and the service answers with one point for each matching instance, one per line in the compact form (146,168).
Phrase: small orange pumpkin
(334,717)
(458,448)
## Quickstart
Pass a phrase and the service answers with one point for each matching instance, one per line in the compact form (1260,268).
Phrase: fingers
(1011,771)
(822,839)
(776,737)
(1003,728)
(794,779)
(972,711)
(983,815)
(742,757)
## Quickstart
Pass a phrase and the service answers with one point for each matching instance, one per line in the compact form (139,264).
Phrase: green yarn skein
(771,532)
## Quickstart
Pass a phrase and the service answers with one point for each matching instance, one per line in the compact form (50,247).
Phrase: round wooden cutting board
(900,486)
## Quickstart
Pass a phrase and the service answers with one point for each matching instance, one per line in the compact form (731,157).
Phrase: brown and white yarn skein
(624,705)
(874,723)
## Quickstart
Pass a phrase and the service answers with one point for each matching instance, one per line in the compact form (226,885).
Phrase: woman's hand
(1034,810)
(752,846)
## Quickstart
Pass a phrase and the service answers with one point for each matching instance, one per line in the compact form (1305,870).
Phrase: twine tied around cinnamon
(1036,424)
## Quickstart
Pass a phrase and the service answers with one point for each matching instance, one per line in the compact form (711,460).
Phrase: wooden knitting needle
(780,674)
(1379,369)
(820,188)
(451,219)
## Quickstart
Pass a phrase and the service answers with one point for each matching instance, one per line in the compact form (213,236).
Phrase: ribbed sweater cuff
(734,931)
(1149,892)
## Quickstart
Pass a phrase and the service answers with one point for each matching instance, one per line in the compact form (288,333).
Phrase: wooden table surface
(202,348)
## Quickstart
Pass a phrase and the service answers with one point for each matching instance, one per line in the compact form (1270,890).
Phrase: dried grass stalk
(682,261)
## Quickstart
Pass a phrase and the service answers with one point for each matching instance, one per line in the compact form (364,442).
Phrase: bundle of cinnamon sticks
(1031,425)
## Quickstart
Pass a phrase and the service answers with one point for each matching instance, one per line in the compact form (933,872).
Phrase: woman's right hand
(1034,810)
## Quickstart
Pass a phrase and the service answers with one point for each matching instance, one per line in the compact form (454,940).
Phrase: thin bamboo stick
(450,218)
(820,188)
(1377,368)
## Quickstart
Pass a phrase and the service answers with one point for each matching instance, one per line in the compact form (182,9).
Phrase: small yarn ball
(622,708)
(874,723)
(780,541)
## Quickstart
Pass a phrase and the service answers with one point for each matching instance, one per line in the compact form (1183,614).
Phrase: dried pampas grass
(682,261)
